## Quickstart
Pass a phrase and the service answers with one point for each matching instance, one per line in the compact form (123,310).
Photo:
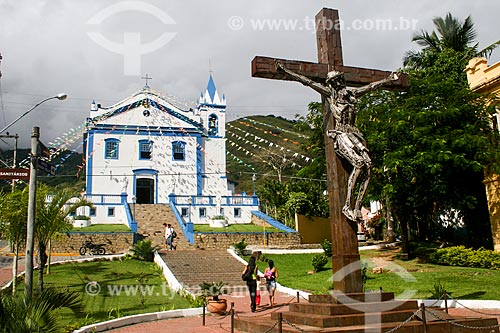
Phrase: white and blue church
(146,150)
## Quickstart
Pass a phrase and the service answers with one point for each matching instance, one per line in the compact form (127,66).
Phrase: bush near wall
(463,257)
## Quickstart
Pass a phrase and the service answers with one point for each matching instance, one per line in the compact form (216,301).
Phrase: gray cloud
(46,50)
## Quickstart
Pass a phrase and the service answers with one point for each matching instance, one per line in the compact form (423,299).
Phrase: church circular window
(146,113)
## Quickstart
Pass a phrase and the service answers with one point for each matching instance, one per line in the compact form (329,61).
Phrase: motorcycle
(92,248)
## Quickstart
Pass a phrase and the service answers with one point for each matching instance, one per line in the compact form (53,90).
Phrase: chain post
(232,317)
(422,308)
(280,322)
(204,305)
(445,295)
(298,297)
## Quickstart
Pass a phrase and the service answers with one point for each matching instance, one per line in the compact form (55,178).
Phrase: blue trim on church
(145,171)
(150,102)
(89,162)
(199,166)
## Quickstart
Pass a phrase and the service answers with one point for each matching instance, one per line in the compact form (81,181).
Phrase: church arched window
(111,149)
(178,151)
(213,127)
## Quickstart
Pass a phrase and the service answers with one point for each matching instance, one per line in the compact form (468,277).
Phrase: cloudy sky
(97,49)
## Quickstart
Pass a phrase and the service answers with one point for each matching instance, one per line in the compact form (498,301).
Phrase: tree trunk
(403,227)
(48,258)
(14,269)
(390,236)
(42,260)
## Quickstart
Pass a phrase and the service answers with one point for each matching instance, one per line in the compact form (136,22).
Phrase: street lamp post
(60,97)
(254,179)
(30,233)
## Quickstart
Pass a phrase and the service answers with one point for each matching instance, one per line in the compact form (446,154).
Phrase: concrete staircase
(150,219)
(192,267)
(375,312)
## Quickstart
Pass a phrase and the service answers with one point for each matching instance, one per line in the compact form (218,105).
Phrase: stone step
(267,324)
(325,321)
(340,298)
(345,309)
(192,267)
(150,219)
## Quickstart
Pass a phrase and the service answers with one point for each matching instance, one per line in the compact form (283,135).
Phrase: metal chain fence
(461,325)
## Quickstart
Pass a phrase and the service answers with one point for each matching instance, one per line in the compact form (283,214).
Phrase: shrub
(319,261)
(143,250)
(240,247)
(438,291)
(463,257)
(81,217)
(327,247)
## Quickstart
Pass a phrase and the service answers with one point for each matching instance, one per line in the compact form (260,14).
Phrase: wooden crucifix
(345,254)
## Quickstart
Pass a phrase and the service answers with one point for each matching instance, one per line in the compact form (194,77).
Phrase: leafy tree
(13,217)
(429,147)
(52,216)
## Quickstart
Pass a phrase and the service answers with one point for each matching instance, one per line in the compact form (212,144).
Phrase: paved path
(219,324)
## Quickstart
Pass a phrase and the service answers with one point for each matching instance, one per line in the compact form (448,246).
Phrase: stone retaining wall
(210,241)
(115,242)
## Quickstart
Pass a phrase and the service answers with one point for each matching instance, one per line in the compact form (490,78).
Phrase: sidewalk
(218,324)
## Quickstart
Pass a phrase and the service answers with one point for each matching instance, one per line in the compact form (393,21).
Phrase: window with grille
(178,151)
(111,149)
(145,149)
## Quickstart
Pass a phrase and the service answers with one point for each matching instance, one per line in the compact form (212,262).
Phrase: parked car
(361,237)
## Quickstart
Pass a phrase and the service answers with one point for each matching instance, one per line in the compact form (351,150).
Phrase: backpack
(174,234)
(247,276)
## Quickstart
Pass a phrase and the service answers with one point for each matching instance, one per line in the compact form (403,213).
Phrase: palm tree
(52,217)
(13,214)
(38,314)
(451,33)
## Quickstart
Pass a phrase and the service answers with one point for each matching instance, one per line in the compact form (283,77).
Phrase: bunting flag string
(275,127)
(238,148)
(260,139)
(239,160)
(268,132)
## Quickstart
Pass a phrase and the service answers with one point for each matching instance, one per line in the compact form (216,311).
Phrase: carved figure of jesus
(348,140)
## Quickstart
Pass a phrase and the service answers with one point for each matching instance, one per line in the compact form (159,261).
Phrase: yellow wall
(313,230)
(486,79)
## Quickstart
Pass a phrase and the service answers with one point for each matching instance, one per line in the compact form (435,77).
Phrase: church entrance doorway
(144,190)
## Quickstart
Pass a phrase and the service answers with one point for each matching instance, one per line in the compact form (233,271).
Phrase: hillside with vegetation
(266,146)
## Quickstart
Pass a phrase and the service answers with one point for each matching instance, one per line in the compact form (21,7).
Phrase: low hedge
(464,257)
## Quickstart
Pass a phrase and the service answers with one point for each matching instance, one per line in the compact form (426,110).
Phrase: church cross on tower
(146,78)
(345,255)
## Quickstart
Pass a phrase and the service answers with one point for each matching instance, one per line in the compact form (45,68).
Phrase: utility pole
(30,236)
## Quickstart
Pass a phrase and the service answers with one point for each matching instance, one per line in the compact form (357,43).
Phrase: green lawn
(250,227)
(103,228)
(410,278)
(115,279)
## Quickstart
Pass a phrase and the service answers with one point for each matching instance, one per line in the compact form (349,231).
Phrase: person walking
(251,272)
(168,236)
(271,274)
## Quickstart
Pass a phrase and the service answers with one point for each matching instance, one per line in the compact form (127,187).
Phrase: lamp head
(61,96)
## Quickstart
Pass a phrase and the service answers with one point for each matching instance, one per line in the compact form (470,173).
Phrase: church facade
(146,150)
